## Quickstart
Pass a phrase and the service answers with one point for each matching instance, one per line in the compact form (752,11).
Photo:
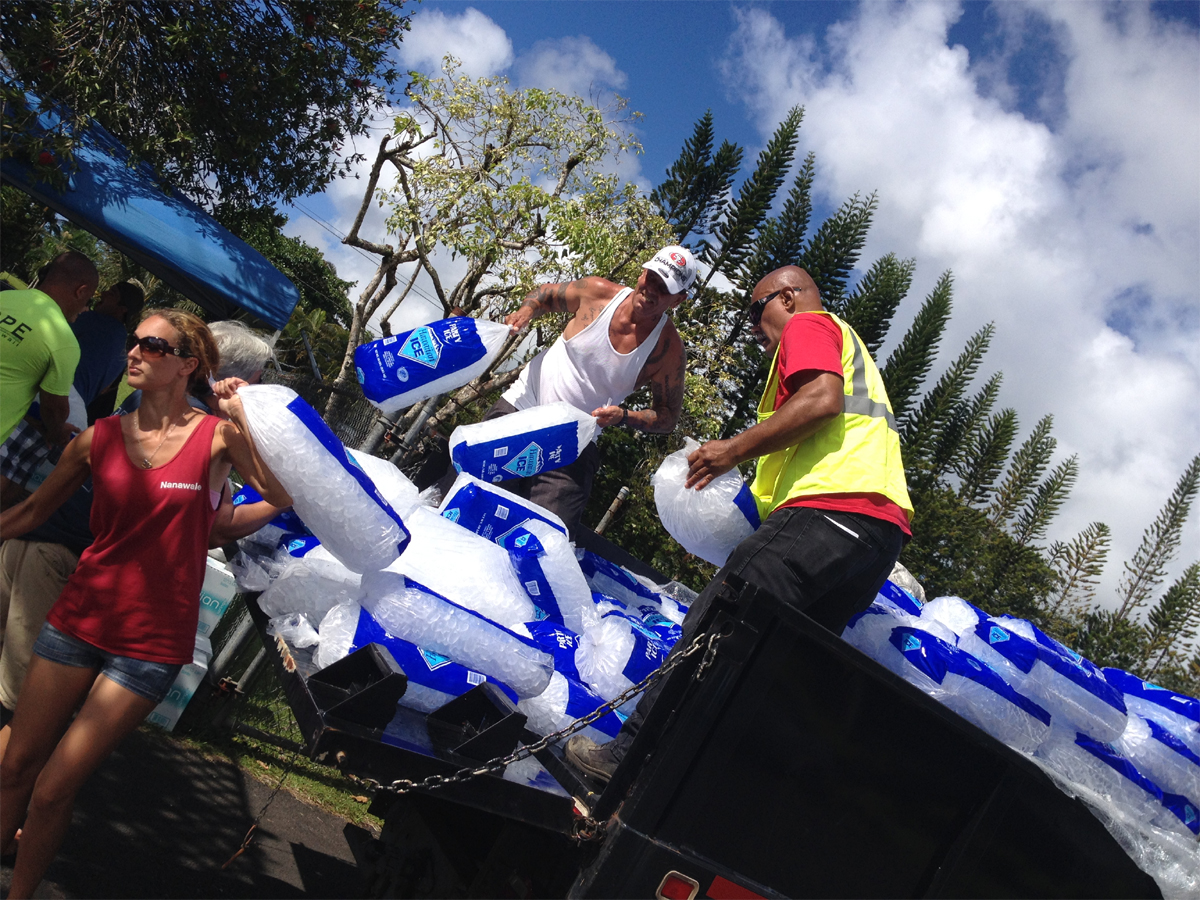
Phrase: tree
(237,102)
(1158,647)
(956,444)
(511,186)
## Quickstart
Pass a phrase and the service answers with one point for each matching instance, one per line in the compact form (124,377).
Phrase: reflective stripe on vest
(859,401)
(857,452)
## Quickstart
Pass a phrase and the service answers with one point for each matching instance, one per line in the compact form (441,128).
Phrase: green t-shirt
(37,352)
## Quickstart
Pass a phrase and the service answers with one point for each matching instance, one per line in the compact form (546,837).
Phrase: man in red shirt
(829,484)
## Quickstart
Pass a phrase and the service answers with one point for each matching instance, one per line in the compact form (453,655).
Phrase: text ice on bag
(404,369)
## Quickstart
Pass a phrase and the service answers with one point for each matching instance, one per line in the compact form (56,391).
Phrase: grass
(207,728)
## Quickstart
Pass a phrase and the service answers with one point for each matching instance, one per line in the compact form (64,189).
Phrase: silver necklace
(147,461)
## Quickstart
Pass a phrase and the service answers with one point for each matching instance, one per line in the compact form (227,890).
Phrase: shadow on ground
(158,820)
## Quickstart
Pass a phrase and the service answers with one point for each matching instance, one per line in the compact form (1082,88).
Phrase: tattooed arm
(568,298)
(664,370)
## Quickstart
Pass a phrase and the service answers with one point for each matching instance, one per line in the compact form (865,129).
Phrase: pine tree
(1148,567)
(1172,624)
(1078,565)
(910,363)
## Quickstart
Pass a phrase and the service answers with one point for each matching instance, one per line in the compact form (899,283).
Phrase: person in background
(34,568)
(40,352)
(617,340)
(122,304)
(126,622)
(244,355)
(829,485)
(101,333)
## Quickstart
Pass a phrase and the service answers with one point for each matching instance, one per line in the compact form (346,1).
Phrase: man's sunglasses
(757,307)
(154,347)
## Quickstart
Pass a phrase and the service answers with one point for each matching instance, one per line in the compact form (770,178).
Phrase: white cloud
(1078,240)
(483,46)
(572,65)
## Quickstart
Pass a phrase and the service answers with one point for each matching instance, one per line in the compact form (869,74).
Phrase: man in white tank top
(618,339)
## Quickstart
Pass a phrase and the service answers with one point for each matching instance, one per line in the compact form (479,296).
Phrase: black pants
(828,564)
(563,491)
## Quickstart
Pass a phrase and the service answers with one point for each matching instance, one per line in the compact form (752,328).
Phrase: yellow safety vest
(857,452)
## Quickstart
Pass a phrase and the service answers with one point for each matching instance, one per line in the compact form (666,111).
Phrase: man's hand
(709,461)
(608,415)
(519,318)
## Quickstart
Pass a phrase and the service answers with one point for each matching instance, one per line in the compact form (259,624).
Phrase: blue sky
(1047,154)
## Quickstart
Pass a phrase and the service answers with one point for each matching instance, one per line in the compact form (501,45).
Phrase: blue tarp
(166,233)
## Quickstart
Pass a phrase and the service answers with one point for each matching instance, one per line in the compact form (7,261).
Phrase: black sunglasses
(154,347)
(757,307)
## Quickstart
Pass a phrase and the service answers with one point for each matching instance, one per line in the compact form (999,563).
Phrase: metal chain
(707,642)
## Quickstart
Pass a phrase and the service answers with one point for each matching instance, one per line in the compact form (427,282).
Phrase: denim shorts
(151,680)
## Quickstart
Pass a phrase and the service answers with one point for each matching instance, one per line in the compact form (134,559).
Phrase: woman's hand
(225,391)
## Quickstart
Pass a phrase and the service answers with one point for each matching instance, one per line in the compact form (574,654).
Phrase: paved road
(158,820)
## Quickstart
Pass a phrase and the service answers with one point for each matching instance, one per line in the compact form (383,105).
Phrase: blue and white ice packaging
(287,520)
(565,700)
(433,679)
(491,512)
(708,523)
(1177,712)
(523,443)
(560,642)
(1068,685)
(404,369)
(894,595)
(971,689)
(331,494)
(616,653)
(413,612)
(1161,755)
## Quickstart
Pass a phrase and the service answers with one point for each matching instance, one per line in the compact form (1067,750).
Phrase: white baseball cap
(676,266)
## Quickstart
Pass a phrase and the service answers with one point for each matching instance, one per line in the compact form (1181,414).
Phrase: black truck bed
(795,767)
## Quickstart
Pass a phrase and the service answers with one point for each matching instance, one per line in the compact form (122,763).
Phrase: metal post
(312,359)
(237,640)
(411,435)
(612,510)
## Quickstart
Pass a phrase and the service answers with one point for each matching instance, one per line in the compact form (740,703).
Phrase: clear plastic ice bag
(333,496)
(709,523)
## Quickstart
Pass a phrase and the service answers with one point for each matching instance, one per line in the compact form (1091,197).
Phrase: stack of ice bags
(1178,713)
(544,562)
(708,523)
(409,610)
(456,563)
(331,494)
(404,369)
(433,679)
(491,512)
(523,443)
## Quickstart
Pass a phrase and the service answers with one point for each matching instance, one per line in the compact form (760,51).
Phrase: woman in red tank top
(126,621)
